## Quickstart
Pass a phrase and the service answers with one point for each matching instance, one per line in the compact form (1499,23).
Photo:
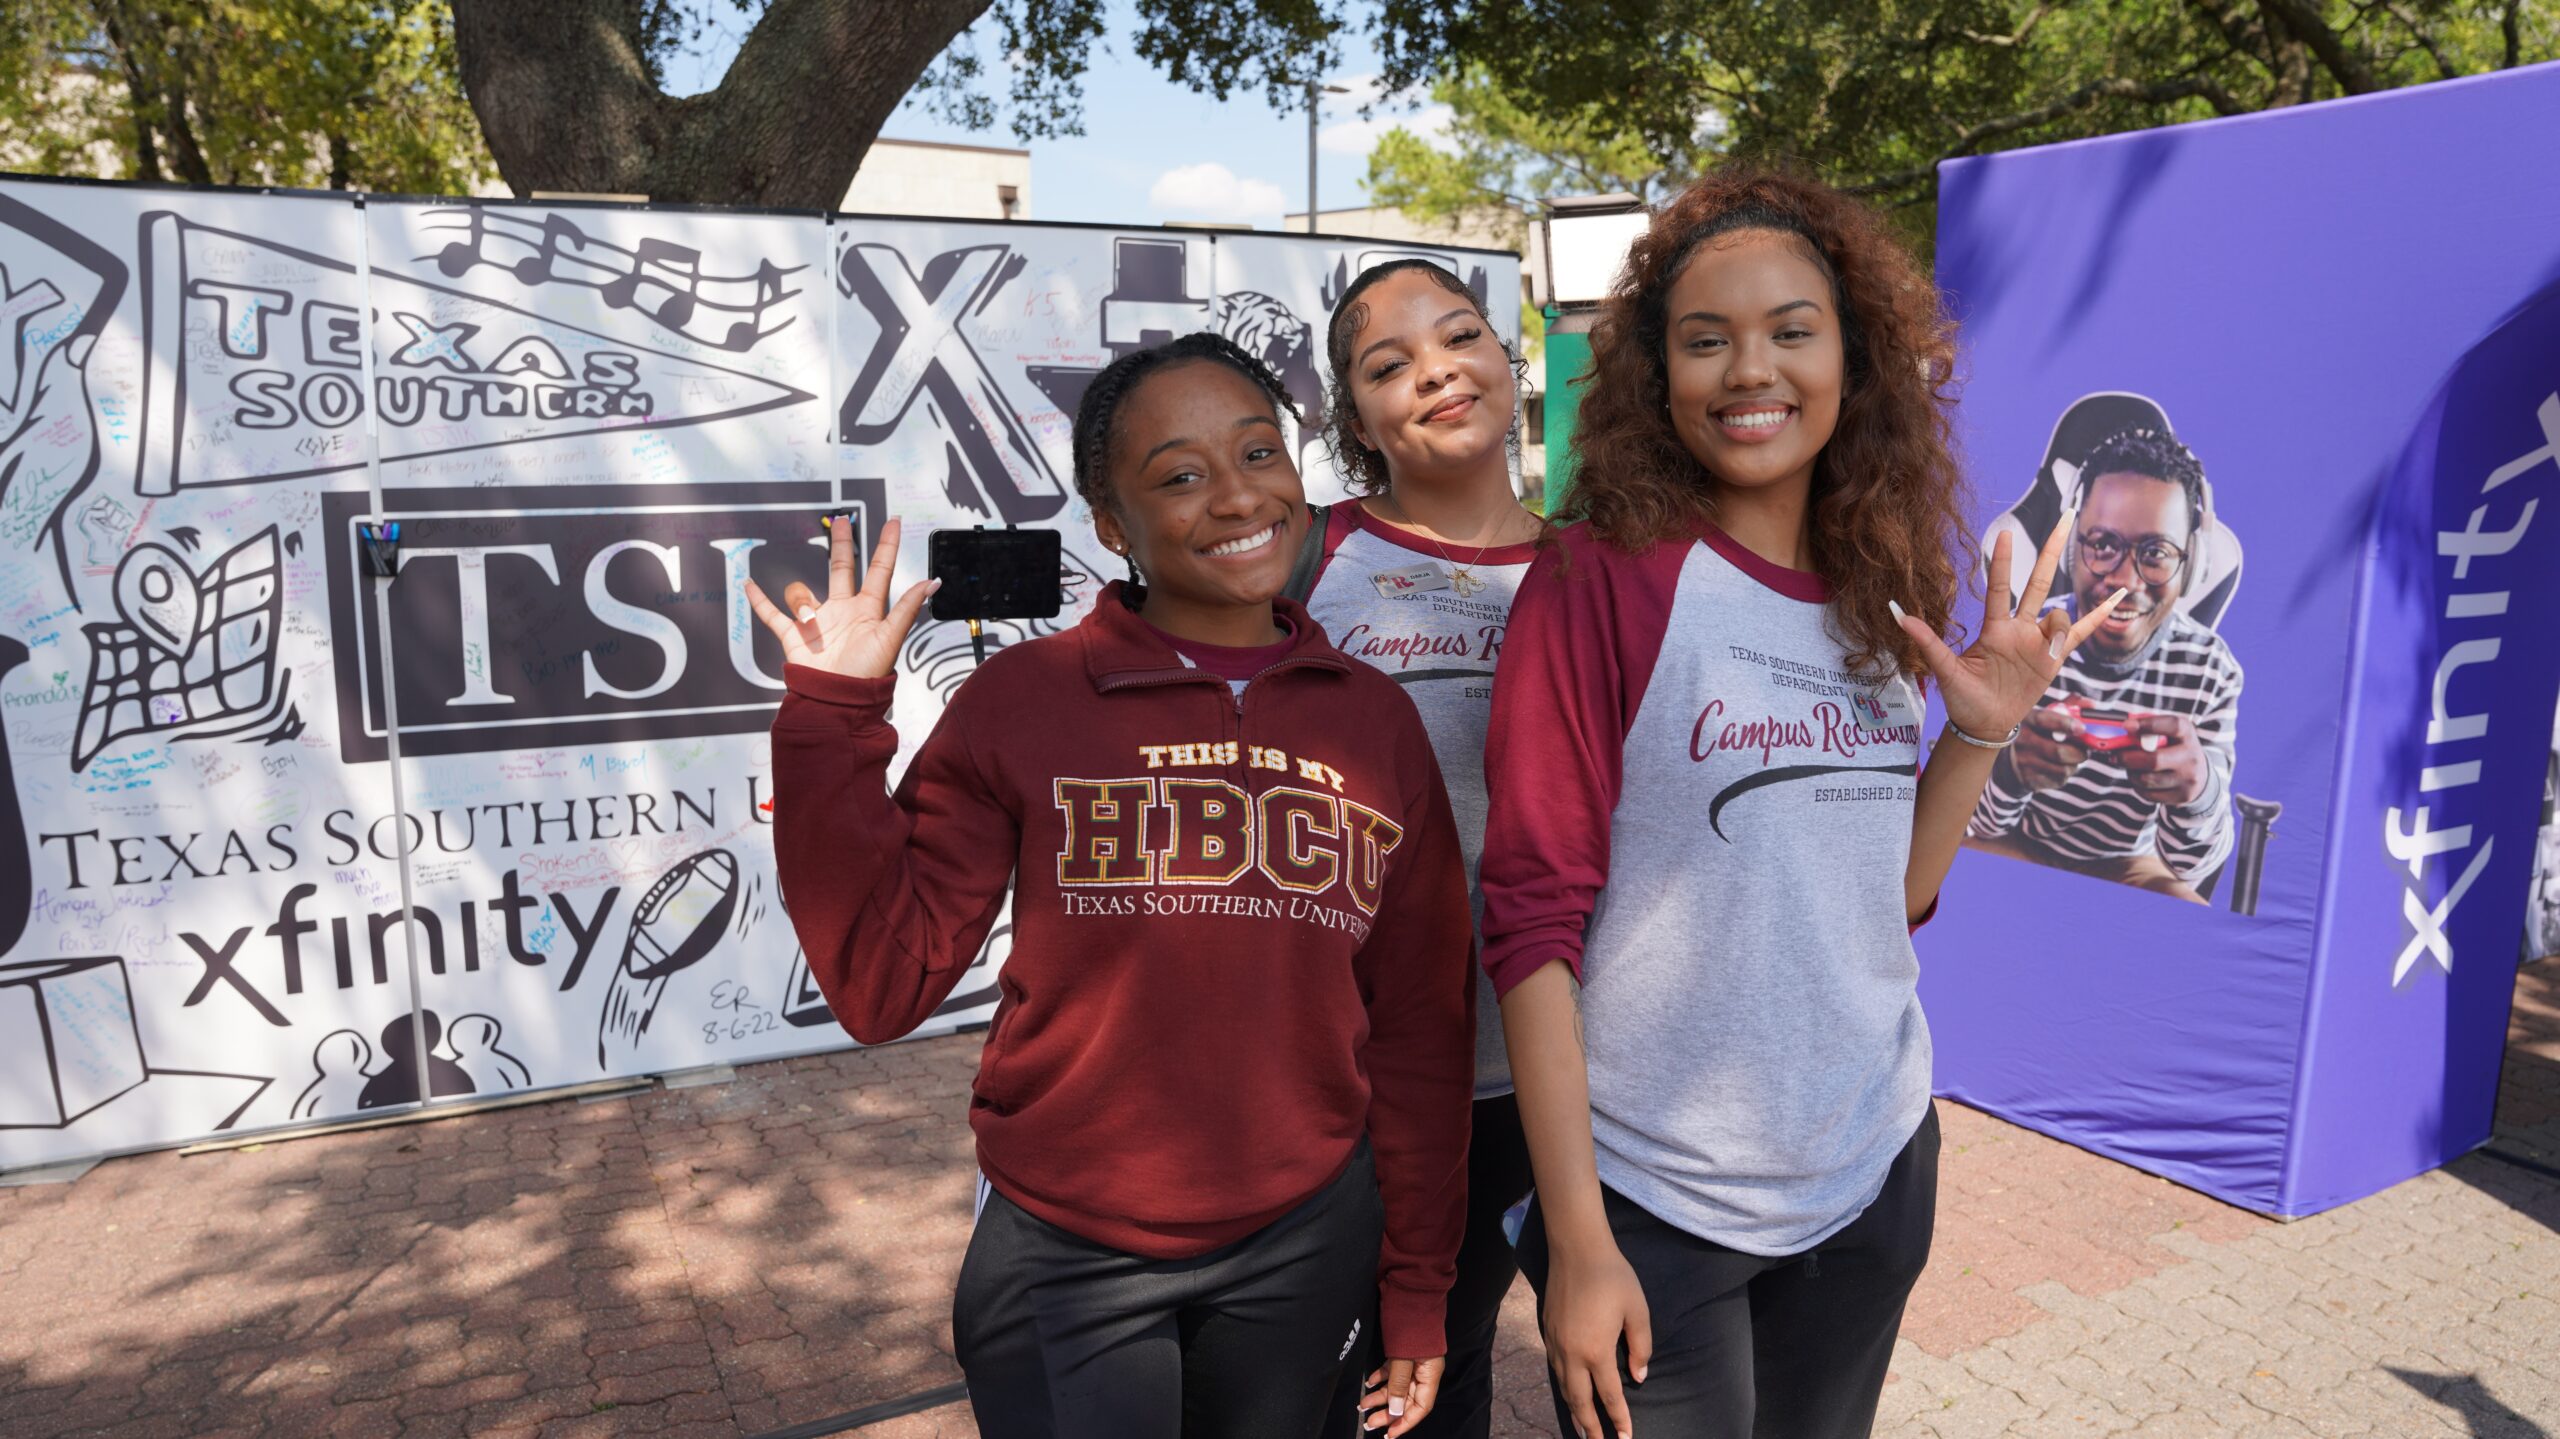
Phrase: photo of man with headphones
(2124,770)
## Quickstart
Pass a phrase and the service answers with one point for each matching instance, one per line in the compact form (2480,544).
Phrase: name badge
(1893,703)
(1411,580)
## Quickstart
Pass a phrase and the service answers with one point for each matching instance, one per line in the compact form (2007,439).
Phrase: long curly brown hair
(1887,504)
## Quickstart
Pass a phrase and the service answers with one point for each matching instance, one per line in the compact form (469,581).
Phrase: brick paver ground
(731,1259)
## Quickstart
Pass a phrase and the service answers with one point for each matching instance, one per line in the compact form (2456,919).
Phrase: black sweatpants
(1746,1346)
(1497,1177)
(1060,1337)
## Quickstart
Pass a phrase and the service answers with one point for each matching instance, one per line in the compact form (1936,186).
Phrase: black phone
(1006,574)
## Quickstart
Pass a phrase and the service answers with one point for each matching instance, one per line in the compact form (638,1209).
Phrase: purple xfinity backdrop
(2295,379)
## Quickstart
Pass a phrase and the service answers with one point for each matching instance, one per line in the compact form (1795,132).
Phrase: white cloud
(1358,136)
(1210,191)
(1348,132)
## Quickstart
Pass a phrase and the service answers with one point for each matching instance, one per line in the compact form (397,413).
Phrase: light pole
(1315,91)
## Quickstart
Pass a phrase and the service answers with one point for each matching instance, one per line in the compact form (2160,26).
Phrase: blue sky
(1153,150)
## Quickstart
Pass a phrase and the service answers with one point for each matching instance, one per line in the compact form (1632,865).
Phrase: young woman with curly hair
(1705,705)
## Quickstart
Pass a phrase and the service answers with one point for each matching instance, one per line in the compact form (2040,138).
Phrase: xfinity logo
(572,615)
(2475,616)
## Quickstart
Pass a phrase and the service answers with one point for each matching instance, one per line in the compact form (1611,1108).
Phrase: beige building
(932,177)
(1483,230)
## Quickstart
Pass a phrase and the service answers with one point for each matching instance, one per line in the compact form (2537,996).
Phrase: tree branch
(2426,42)
(2245,36)
(2511,30)
(2302,17)
(565,98)
(138,105)
(2159,93)
(2026,29)
(755,143)
(562,91)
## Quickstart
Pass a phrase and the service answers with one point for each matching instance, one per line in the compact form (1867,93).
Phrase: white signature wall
(591,424)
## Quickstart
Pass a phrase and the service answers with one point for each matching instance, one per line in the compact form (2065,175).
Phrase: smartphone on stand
(1007,574)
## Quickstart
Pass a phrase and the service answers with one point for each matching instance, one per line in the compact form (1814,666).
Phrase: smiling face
(1205,497)
(2127,514)
(1429,381)
(1753,359)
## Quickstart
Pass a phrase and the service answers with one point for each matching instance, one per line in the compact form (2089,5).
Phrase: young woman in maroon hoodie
(1222,1109)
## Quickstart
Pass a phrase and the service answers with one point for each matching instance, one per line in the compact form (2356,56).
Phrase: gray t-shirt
(1395,601)
(1697,808)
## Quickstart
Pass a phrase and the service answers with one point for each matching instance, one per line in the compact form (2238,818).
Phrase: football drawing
(676,924)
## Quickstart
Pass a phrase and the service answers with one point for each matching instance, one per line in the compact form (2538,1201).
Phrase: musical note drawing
(658,278)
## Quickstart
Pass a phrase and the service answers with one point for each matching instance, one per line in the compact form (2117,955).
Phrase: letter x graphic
(2546,415)
(17,307)
(2429,923)
(921,351)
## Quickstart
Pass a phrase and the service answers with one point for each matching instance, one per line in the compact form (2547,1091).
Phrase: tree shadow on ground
(700,1262)
(2465,1395)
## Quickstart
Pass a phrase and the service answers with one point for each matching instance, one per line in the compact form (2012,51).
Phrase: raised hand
(1989,688)
(855,631)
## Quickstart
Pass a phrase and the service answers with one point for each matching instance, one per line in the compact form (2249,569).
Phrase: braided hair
(1363,469)
(1097,416)
(2157,454)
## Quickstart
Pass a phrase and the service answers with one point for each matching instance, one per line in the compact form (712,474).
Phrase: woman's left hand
(1399,1393)
(1989,688)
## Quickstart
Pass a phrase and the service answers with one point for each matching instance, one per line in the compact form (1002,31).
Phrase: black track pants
(1751,1347)
(1062,1338)
(1497,1177)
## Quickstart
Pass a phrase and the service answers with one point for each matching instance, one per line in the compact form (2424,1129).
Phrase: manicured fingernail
(1395,1407)
(1896,607)
(933,586)
(1639,1373)
(2060,645)
(808,613)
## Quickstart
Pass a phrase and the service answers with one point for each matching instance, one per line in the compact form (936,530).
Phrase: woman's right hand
(855,632)
(1592,1298)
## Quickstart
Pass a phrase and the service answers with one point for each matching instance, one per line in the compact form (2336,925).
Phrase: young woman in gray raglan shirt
(1415,577)
(1709,830)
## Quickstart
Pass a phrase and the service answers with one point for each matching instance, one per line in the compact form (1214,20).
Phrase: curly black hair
(2156,453)
(1364,470)
(1099,412)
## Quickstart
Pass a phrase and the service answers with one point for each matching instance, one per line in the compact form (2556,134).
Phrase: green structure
(1568,355)
(1583,242)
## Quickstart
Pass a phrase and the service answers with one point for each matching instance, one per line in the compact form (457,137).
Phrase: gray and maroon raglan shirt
(1694,805)
(1431,618)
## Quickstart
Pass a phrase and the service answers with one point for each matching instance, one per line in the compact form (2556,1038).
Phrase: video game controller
(2102,731)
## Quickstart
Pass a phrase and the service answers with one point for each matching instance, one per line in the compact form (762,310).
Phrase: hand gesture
(1988,689)
(856,632)
(2048,748)
(1591,1299)
(1398,1394)
(2168,768)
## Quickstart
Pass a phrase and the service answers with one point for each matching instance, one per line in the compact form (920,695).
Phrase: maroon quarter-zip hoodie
(1240,932)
